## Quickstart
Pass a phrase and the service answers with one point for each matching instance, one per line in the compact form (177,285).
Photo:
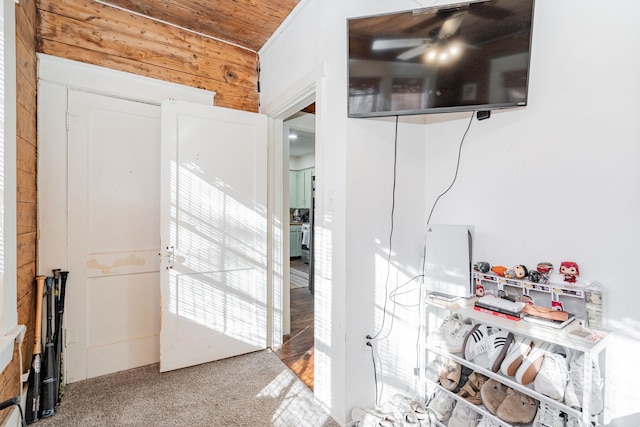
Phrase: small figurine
(482,266)
(570,271)
(520,271)
(499,270)
(509,274)
(557,305)
(544,268)
(534,276)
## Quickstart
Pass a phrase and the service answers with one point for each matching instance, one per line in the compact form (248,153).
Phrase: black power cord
(393,209)
(11,402)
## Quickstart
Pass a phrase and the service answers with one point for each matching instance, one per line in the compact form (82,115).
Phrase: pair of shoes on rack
(363,417)
(508,404)
(441,406)
(548,416)
(543,364)
(463,416)
(487,346)
(451,333)
(520,348)
(488,422)
(575,385)
(408,412)
(551,380)
(470,391)
(531,362)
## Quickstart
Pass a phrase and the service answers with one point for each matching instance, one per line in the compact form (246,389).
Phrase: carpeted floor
(252,390)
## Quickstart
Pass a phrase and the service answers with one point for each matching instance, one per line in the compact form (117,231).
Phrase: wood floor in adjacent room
(297,348)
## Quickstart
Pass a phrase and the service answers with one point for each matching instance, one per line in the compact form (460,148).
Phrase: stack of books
(500,307)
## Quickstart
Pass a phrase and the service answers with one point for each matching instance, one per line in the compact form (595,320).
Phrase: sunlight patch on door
(218,281)
(221,303)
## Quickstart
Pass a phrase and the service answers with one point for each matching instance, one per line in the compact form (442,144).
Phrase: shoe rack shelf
(437,309)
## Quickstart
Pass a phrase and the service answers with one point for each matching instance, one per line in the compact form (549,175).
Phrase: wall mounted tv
(470,56)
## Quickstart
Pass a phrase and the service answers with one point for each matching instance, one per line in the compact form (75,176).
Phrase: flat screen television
(470,56)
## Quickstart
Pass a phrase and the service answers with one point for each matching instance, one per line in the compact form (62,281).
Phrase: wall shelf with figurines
(542,293)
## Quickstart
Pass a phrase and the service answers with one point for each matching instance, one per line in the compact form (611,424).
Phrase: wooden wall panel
(26,164)
(87,31)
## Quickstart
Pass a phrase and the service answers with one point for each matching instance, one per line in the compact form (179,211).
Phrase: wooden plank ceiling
(247,23)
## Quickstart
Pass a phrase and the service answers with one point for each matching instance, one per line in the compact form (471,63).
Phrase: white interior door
(213,224)
(113,221)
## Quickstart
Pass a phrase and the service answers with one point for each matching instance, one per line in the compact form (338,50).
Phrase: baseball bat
(56,299)
(49,386)
(32,406)
(59,338)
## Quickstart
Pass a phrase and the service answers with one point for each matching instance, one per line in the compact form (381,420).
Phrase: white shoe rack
(437,310)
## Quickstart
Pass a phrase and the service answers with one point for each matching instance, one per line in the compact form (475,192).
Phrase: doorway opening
(297,350)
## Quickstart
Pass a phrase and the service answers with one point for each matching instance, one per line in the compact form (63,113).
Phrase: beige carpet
(253,390)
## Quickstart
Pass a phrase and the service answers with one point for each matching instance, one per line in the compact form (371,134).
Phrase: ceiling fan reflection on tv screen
(463,57)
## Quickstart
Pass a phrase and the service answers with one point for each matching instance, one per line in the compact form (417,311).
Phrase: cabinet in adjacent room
(300,185)
(293,189)
(295,241)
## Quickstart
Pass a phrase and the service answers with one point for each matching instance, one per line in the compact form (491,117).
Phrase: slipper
(517,408)
(493,394)
(450,374)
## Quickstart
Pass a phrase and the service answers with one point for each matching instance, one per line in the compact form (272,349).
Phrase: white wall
(354,176)
(558,180)
(302,162)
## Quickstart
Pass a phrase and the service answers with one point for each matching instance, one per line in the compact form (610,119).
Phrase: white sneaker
(463,416)
(442,405)
(454,340)
(363,417)
(548,416)
(575,386)
(488,422)
(554,373)
(573,421)
(486,346)
(519,349)
(436,338)
(532,363)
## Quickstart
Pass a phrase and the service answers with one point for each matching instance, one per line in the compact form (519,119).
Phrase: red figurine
(570,271)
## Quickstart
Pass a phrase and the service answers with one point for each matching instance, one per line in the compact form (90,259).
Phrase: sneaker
(490,343)
(554,373)
(450,374)
(442,405)
(470,391)
(493,394)
(454,340)
(407,411)
(463,416)
(432,374)
(488,422)
(531,363)
(520,347)
(575,385)
(573,421)
(548,416)
(363,417)
(436,338)
(517,408)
